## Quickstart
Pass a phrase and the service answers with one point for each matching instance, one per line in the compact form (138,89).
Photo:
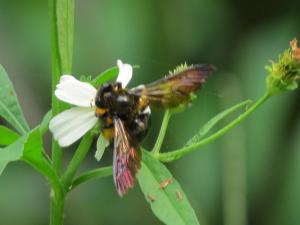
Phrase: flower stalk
(75,162)
(162,132)
(177,154)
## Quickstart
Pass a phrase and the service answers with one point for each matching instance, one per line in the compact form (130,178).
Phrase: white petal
(125,73)
(147,110)
(70,125)
(75,92)
(66,77)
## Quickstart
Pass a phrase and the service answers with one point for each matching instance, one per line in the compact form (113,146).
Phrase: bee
(125,115)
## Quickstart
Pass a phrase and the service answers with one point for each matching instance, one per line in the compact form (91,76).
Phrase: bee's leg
(108,133)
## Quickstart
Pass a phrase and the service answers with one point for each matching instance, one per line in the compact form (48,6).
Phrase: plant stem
(75,162)
(57,196)
(57,208)
(176,154)
(212,122)
(56,72)
(92,174)
(57,193)
(162,132)
(62,31)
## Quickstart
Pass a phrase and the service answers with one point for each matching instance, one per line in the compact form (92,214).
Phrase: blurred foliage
(238,37)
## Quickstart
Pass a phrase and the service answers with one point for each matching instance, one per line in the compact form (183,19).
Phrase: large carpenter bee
(125,115)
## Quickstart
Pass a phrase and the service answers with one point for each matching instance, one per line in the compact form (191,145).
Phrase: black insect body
(113,101)
(125,115)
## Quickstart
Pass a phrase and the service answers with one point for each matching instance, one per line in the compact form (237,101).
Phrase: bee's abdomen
(140,125)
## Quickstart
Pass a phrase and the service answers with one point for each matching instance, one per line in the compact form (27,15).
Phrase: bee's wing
(174,89)
(127,156)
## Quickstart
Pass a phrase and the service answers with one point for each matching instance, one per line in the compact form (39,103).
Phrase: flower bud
(284,73)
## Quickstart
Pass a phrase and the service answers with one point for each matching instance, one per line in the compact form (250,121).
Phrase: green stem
(216,119)
(57,193)
(56,72)
(45,168)
(57,203)
(57,208)
(62,31)
(75,162)
(92,174)
(162,133)
(176,154)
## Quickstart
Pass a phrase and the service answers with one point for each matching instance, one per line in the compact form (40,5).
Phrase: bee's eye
(106,88)
(98,99)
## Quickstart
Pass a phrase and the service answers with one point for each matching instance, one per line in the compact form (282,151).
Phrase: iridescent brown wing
(126,161)
(174,89)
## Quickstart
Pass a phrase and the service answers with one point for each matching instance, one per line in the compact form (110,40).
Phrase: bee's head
(105,89)
(105,92)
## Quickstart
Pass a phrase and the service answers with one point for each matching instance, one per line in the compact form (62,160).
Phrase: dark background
(249,176)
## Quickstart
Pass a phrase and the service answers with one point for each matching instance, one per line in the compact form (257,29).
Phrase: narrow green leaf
(102,143)
(33,155)
(105,76)
(65,31)
(7,136)
(212,122)
(28,145)
(45,122)
(169,204)
(92,174)
(10,108)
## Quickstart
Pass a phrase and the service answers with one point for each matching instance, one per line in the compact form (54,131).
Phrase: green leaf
(11,153)
(33,146)
(102,143)
(212,122)
(7,136)
(170,204)
(45,122)
(28,145)
(92,174)
(65,31)
(10,108)
(105,76)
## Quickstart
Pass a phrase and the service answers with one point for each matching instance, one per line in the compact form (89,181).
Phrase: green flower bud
(284,73)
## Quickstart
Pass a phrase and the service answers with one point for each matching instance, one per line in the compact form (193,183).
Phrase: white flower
(70,125)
